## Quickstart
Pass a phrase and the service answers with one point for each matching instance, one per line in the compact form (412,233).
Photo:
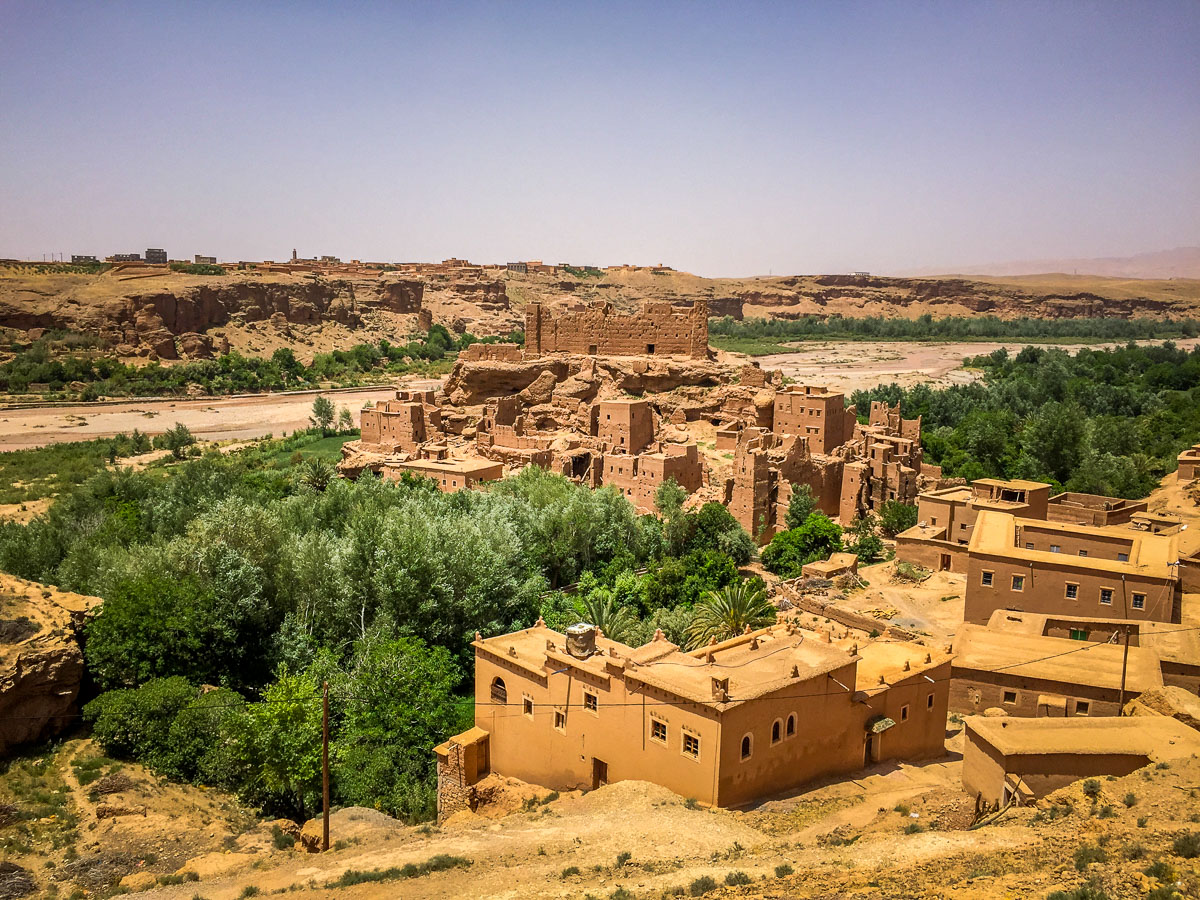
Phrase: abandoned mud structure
(598,330)
(727,724)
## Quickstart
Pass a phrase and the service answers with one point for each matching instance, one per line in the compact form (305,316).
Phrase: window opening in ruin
(986,580)
(649,349)
(1139,601)
(1082,707)
(1106,596)
(791,725)
(1083,553)
(590,701)
(560,720)
(1029,545)
(746,747)
(1018,582)
(1012,496)
(1122,557)
(658,730)
(691,745)
(527,705)
(904,713)
(1072,591)
(776,731)
(592,349)
(1010,697)
(929,702)
(499,691)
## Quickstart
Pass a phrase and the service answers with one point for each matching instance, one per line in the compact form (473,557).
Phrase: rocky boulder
(41,663)
(1172,701)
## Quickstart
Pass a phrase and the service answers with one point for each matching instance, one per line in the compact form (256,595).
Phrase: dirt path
(208,418)
(858,365)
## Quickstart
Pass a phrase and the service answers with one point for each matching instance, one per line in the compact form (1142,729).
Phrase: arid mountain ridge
(171,315)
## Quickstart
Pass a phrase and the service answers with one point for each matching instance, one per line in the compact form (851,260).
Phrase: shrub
(621,894)
(1142,820)
(1084,892)
(1091,788)
(249,891)
(1086,854)
(281,839)
(702,886)
(913,828)
(438,863)
(1187,845)
(569,871)
(1130,799)
(1160,870)
(1107,812)
(623,857)
(1135,851)
(735,878)
(783,870)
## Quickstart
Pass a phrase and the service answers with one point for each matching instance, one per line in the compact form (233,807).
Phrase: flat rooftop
(1150,555)
(1156,737)
(755,664)
(1172,642)
(459,466)
(1055,659)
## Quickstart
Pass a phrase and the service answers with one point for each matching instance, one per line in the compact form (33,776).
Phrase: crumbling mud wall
(660,329)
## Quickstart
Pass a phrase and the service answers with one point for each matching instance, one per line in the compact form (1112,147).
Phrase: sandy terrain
(211,419)
(858,365)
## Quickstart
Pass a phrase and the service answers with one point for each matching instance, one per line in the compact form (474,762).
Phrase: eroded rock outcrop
(41,662)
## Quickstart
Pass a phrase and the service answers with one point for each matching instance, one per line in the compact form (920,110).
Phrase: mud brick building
(624,424)
(639,476)
(1016,760)
(1092,509)
(885,462)
(816,414)
(451,475)
(403,424)
(1030,565)
(727,724)
(1189,464)
(662,329)
(1037,676)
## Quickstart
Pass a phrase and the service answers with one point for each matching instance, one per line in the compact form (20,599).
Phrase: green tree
(865,543)
(801,505)
(598,608)
(715,528)
(677,525)
(315,473)
(790,550)
(178,439)
(322,413)
(345,420)
(728,612)
(895,517)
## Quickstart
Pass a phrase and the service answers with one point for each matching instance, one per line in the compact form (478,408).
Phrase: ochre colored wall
(670,330)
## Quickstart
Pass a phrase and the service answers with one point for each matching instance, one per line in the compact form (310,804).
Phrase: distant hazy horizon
(737,140)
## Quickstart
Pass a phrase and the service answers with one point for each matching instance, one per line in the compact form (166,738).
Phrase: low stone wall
(846,617)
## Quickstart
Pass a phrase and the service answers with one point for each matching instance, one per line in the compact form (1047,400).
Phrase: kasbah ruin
(628,401)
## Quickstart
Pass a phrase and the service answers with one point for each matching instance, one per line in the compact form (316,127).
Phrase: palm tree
(726,613)
(316,474)
(599,609)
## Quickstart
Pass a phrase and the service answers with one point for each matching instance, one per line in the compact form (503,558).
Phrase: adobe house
(1059,569)
(624,424)
(451,475)
(815,413)
(639,476)
(728,724)
(946,519)
(403,424)
(1177,648)
(1189,464)
(1017,760)
(1036,676)
(1092,509)
(659,329)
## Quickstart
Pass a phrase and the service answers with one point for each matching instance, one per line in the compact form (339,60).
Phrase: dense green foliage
(1102,421)
(816,538)
(760,337)
(42,363)
(197,268)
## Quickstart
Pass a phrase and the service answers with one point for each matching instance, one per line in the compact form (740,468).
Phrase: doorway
(945,562)
(869,751)
(599,773)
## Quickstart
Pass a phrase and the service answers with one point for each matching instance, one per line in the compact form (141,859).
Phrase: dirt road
(208,418)
(858,365)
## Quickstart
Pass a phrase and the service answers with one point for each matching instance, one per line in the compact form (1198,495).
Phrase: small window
(987,579)
(1072,591)
(1083,553)
(791,725)
(560,720)
(929,702)
(658,730)
(1082,707)
(747,747)
(1122,557)
(1029,545)
(1055,548)
(1079,634)
(933,520)
(691,745)
(904,713)
(499,691)
(1018,582)
(590,701)
(1139,601)
(1106,596)
(527,705)
(1010,697)
(776,731)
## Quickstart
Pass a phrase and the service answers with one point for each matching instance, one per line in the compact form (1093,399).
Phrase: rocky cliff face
(41,662)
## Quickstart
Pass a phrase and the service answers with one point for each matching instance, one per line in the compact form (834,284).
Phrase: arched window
(746,747)
(791,725)
(499,691)
(776,729)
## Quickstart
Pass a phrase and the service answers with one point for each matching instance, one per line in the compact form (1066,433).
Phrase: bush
(1130,799)
(281,839)
(783,870)
(735,878)
(623,857)
(895,517)
(569,871)
(1160,870)
(913,828)
(1086,854)
(702,886)
(1091,788)
(789,551)
(1187,845)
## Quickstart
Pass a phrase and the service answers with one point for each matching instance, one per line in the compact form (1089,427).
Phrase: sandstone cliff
(41,663)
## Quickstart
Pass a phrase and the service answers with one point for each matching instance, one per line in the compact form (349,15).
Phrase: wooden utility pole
(325,767)
(1124,665)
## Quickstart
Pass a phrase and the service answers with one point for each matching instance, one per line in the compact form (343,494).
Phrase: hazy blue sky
(735,138)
